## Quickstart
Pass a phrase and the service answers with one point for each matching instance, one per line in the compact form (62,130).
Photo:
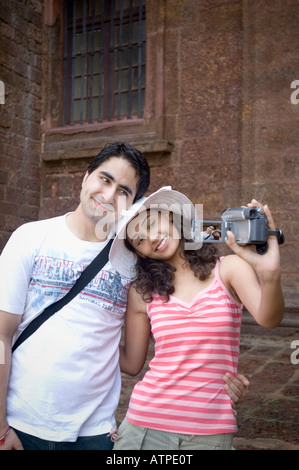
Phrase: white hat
(122,259)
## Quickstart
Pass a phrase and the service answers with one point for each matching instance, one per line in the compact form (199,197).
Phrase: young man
(65,379)
(60,388)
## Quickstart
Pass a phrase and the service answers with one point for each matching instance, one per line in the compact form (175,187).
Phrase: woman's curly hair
(157,276)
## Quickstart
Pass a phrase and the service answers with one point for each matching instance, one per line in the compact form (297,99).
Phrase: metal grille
(104,60)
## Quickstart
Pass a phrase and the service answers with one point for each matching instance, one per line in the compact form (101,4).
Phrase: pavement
(268,419)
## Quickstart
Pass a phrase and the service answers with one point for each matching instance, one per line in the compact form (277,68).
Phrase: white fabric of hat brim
(120,257)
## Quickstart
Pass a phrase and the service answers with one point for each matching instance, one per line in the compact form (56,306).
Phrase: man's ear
(85,178)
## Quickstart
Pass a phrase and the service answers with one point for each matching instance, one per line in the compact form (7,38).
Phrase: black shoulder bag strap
(86,276)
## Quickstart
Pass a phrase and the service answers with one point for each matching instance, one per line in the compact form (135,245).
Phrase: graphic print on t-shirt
(53,277)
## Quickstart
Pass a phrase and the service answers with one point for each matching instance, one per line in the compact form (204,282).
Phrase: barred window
(104,60)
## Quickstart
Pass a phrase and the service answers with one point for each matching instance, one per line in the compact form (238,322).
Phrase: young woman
(191,302)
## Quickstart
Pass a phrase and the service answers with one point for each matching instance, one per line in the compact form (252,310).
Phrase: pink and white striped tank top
(195,344)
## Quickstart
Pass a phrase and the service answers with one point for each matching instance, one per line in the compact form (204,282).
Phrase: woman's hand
(268,264)
(263,298)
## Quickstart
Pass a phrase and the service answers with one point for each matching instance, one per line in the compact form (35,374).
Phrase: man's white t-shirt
(65,379)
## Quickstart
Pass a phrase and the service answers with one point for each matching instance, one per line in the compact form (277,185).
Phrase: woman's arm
(257,278)
(137,333)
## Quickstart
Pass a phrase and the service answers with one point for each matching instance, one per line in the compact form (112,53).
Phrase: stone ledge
(290,318)
(150,149)
(241,443)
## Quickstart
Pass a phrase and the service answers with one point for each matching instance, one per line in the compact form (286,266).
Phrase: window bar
(83,60)
(111,62)
(91,62)
(130,46)
(140,37)
(73,61)
(120,51)
(100,107)
(65,64)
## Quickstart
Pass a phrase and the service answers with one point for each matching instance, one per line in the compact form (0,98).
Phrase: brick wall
(21,73)
(270,122)
(223,86)
(203,73)
(219,123)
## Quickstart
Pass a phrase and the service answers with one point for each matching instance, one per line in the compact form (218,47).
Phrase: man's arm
(8,325)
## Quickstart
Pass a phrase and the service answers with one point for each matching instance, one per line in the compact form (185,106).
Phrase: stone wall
(270,120)
(203,106)
(21,73)
(219,123)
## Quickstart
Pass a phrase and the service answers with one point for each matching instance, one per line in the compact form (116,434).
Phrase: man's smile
(101,205)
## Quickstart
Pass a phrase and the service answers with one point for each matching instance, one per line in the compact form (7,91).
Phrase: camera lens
(252,213)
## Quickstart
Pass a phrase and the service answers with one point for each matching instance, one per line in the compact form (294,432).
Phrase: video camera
(249,226)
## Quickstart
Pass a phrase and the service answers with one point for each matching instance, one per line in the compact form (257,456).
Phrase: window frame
(59,143)
(108,100)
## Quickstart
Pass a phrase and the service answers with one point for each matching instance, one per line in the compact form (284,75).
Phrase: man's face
(108,190)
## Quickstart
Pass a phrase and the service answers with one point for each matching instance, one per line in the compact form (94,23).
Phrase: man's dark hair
(133,156)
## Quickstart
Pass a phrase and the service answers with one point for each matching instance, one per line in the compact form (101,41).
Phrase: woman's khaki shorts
(133,437)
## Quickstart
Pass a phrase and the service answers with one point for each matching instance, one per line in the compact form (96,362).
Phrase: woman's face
(153,235)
